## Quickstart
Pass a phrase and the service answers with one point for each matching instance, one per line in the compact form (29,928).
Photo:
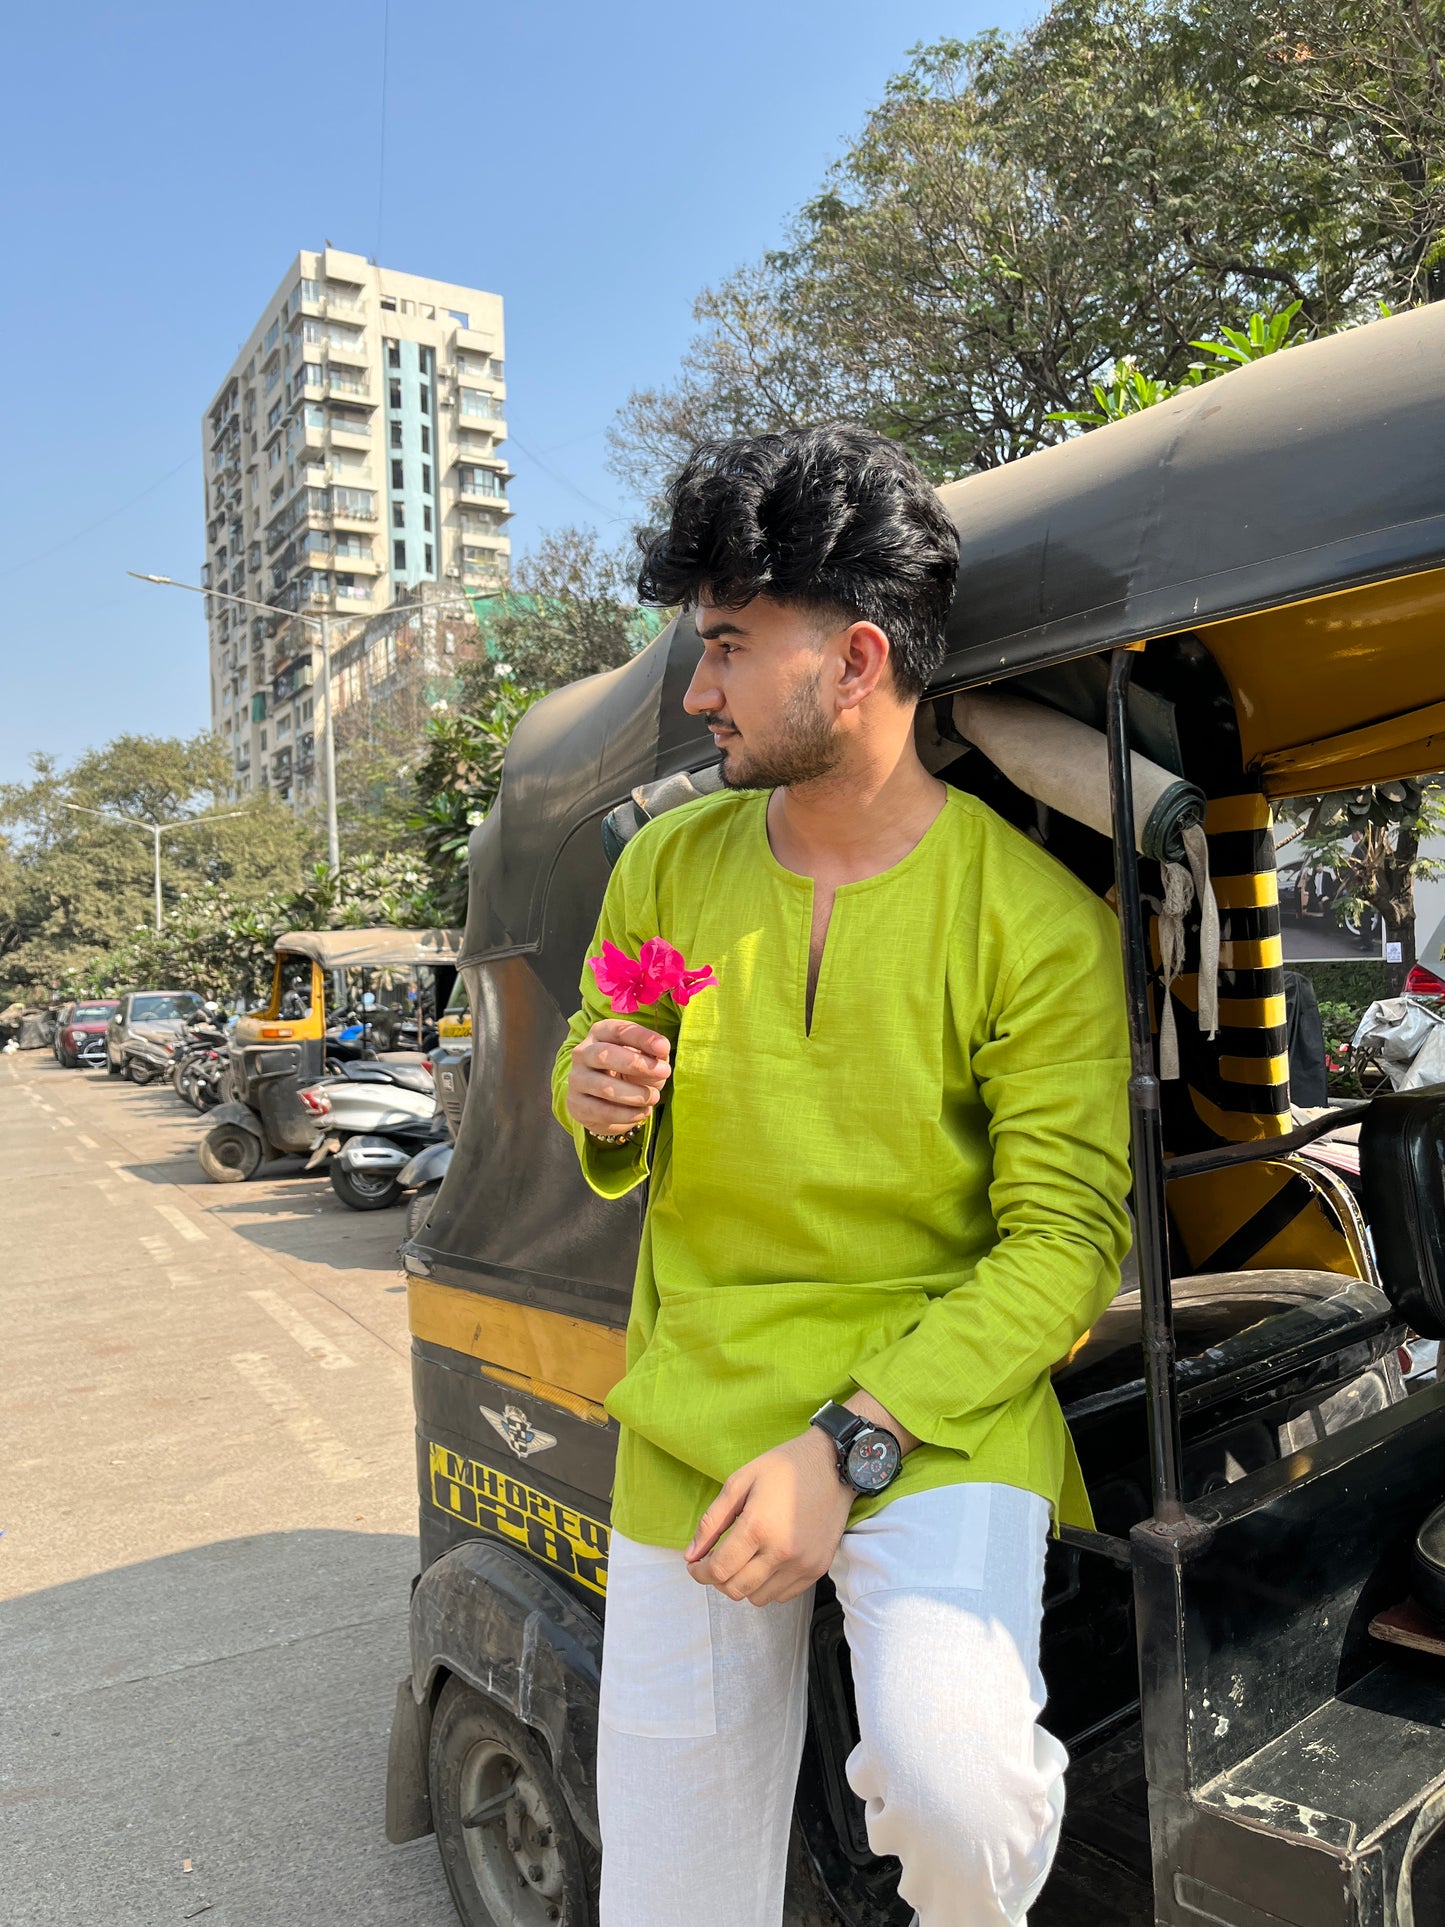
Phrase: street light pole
(328,745)
(157,830)
(333,839)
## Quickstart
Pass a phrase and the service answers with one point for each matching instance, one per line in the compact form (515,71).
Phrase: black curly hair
(836,518)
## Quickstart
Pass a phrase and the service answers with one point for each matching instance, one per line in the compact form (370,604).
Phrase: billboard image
(1319,922)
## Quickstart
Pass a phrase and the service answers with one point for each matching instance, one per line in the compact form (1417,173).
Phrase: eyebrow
(720,628)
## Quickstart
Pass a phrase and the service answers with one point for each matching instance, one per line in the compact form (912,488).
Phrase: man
(886,1197)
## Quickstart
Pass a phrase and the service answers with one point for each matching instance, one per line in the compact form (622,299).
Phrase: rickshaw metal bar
(1193,1163)
(1145,1120)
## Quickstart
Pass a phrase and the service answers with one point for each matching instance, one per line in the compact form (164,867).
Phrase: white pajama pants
(702,1715)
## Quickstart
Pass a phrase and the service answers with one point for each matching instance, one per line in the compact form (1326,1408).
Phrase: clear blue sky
(595,165)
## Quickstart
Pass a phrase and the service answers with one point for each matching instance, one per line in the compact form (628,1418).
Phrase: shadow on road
(213,1725)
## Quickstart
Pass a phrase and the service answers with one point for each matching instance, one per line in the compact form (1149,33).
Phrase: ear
(863,663)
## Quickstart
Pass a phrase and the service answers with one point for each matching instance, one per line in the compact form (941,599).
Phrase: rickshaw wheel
(419,1205)
(229,1155)
(510,1851)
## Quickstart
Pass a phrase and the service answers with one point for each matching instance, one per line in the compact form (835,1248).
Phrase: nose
(703,695)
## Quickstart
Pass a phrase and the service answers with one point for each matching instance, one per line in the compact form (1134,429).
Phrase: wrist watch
(869,1457)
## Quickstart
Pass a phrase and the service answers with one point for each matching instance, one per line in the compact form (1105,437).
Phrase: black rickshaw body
(279,1049)
(1252,576)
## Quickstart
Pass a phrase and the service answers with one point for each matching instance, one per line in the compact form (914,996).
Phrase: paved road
(207,1494)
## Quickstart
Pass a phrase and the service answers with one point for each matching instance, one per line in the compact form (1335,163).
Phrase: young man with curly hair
(886,1196)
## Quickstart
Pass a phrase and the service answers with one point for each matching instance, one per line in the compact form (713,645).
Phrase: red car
(81,1032)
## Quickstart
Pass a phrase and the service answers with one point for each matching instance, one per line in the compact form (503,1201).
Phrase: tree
(1019,214)
(223,944)
(74,887)
(456,783)
(572,611)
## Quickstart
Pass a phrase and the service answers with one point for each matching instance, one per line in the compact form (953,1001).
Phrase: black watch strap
(840,1425)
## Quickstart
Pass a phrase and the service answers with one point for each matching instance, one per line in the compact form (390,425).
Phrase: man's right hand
(617,1076)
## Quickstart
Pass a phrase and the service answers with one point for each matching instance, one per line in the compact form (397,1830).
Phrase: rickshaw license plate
(494,1502)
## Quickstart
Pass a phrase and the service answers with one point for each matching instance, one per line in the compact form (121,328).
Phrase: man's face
(763,684)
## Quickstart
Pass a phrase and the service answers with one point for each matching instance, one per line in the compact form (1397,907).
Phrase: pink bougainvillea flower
(691,983)
(658,971)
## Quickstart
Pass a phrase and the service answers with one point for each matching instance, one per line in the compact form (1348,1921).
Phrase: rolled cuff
(613,1171)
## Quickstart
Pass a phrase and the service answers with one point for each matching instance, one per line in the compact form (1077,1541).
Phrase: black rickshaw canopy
(1291,515)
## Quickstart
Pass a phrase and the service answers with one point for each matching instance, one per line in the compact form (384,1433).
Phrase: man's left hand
(787,1510)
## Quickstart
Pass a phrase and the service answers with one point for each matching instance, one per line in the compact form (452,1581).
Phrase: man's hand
(617,1076)
(788,1510)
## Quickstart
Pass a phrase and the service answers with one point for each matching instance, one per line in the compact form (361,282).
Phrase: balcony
(354,353)
(339,383)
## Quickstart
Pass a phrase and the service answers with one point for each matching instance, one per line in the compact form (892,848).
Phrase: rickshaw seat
(1224,1322)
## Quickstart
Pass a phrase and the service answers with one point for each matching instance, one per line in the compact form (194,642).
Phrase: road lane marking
(314,1343)
(68,1122)
(316,1439)
(158,1249)
(180,1279)
(180,1222)
(89,1142)
(126,1177)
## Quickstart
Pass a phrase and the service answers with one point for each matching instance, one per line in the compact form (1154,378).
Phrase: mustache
(721,722)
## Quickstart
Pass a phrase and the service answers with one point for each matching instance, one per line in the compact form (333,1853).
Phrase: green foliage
(221,943)
(1371,838)
(456,783)
(1130,391)
(572,612)
(1021,216)
(75,887)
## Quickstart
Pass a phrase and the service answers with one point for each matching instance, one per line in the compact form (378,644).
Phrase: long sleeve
(628,919)
(1052,1074)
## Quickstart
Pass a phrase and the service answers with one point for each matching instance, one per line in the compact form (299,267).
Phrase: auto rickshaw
(1244,590)
(279,1049)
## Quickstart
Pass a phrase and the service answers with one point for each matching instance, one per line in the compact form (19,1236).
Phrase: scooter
(372,1120)
(199,1070)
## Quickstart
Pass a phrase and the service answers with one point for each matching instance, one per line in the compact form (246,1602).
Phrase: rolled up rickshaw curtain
(1064,765)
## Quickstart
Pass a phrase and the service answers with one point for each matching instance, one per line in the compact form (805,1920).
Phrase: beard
(801,747)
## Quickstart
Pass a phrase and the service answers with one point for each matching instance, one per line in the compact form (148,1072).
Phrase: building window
(393,354)
(396,394)
(388,301)
(462,320)
(427,553)
(398,515)
(398,561)
(396,435)
(426,401)
(425,439)
(426,517)
(263,739)
(396,480)
(426,478)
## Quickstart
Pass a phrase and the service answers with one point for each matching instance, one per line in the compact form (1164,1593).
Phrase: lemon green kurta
(920,1194)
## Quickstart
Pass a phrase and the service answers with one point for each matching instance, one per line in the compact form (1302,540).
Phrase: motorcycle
(372,1121)
(148,1057)
(199,1070)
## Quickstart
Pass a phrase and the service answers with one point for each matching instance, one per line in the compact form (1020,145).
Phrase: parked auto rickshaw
(1246,588)
(278,1050)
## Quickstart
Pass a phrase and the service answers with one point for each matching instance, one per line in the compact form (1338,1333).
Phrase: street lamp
(157,830)
(333,840)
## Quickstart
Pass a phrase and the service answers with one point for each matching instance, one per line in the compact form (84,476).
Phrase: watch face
(873,1461)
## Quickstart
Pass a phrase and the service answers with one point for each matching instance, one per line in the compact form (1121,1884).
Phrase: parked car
(146,1026)
(80,1032)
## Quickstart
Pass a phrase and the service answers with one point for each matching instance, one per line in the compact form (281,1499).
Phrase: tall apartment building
(352,452)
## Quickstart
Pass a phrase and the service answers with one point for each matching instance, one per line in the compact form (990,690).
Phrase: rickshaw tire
(247,1160)
(466,1722)
(418,1207)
